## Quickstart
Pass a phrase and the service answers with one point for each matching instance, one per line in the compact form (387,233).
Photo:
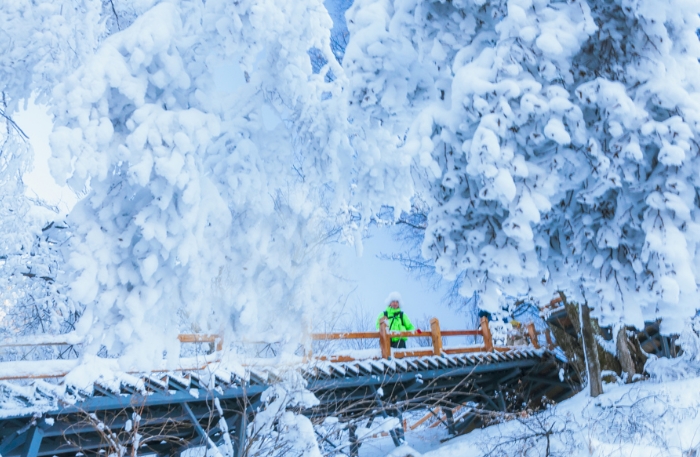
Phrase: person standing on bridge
(397,321)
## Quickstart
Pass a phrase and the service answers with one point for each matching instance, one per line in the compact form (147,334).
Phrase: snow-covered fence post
(591,352)
(624,355)
(436,336)
(307,342)
(486,332)
(533,335)
(384,340)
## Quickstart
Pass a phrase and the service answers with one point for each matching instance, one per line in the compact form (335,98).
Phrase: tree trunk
(624,355)
(591,352)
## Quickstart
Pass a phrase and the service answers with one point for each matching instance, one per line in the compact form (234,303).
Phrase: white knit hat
(394,296)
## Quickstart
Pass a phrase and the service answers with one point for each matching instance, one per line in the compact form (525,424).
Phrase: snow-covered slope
(645,419)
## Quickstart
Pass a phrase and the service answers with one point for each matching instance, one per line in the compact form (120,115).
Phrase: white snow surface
(648,419)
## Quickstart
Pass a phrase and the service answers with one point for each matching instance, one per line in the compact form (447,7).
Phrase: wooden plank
(34,376)
(486,331)
(45,343)
(339,358)
(196,338)
(413,334)
(436,336)
(203,338)
(62,341)
(555,301)
(442,418)
(431,413)
(61,375)
(344,336)
(384,340)
(532,333)
(461,333)
(418,353)
(464,350)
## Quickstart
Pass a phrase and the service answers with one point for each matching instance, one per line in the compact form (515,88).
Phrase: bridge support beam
(450,421)
(29,437)
(33,442)
(501,399)
(396,434)
(195,422)
(240,437)
(464,423)
(354,442)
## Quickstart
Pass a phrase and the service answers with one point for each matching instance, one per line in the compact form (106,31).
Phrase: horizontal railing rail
(71,339)
(384,335)
(435,334)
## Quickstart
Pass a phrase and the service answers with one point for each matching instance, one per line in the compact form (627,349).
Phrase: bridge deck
(179,409)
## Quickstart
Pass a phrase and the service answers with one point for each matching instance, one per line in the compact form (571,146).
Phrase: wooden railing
(43,369)
(69,340)
(384,336)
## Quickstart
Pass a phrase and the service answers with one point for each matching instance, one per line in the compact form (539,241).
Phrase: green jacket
(397,322)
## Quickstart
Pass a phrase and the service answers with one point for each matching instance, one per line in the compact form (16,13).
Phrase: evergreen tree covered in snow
(41,41)
(206,210)
(553,143)
(630,236)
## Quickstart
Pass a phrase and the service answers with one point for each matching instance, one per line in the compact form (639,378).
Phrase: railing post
(548,336)
(436,336)
(307,342)
(220,343)
(384,339)
(486,332)
(533,335)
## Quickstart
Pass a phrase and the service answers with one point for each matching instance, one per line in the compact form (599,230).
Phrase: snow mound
(641,419)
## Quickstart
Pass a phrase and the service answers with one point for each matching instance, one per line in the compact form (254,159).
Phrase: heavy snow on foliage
(208,211)
(32,298)
(553,143)
(41,41)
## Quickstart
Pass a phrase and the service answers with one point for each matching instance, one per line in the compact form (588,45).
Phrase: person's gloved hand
(419,331)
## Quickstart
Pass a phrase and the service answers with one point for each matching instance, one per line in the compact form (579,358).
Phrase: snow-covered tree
(32,299)
(553,143)
(42,40)
(449,75)
(629,237)
(206,210)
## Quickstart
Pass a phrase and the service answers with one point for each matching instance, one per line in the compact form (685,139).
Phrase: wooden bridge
(208,403)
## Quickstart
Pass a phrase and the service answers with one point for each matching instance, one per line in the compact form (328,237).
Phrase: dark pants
(400,344)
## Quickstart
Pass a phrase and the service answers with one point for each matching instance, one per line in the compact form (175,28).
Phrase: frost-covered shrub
(279,429)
